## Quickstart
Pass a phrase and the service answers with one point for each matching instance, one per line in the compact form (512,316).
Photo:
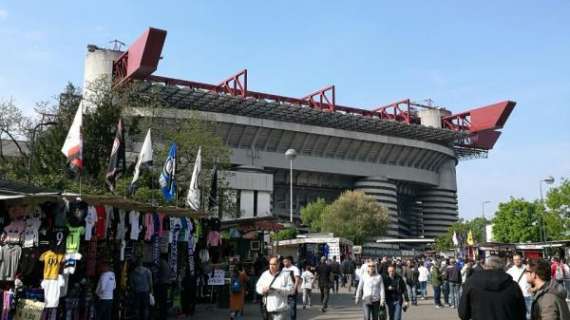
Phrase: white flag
(193,197)
(454,239)
(73,145)
(145,159)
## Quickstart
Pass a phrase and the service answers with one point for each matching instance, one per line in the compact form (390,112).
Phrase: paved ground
(341,306)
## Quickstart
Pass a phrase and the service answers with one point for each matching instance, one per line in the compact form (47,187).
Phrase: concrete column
(385,193)
(439,210)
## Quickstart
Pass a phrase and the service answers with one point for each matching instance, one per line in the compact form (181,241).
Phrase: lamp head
(291,154)
(549,180)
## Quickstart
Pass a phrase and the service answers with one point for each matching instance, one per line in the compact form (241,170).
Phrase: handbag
(264,312)
(151,300)
(382,313)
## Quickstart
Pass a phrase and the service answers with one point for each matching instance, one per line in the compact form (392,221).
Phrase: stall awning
(129,204)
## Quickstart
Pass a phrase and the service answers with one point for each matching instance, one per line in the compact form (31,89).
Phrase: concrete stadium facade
(406,160)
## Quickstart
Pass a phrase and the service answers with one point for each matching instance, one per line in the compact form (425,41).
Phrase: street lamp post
(291,154)
(547,180)
(483,203)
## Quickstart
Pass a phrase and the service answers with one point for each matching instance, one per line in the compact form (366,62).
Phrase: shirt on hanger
(10,255)
(214,239)
(14,230)
(90,221)
(52,262)
(74,239)
(149,225)
(70,262)
(135,226)
(58,237)
(121,228)
(52,291)
(101,222)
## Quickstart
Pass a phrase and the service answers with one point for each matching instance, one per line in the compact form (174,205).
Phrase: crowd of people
(491,288)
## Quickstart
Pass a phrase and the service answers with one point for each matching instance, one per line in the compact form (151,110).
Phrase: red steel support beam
(141,59)
(394,112)
(489,117)
(324,101)
(236,85)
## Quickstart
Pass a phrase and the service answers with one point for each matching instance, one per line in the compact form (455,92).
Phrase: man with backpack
(295,275)
(396,294)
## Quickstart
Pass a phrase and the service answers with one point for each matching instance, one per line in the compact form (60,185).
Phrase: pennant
(193,197)
(117,160)
(167,180)
(213,197)
(73,145)
(470,240)
(144,161)
(454,239)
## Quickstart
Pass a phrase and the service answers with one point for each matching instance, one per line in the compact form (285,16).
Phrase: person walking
(436,283)
(454,280)
(492,294)
(335,268)
(295,275)
(324,274)
(238,285)
(104,291)
(140,283)
(548,300)
(308,278)
(347,268)
(444,283)
(566,270)
(396,294)
(517,272)
(275,287)
(423,275)
(411,274)
(371,290)
(164,283)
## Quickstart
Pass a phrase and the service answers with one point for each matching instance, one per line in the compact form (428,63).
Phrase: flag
(117,159)
(470,240)
(193,197)
(213,198)
(167,180)
(73,145)
(144,160)
(454,239)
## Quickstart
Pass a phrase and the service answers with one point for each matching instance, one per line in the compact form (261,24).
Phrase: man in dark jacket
(411,274)
(396,294)
(549,296)
(492,294)
(454,280)
(324,277)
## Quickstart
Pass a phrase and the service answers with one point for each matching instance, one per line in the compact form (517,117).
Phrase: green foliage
(355,216)
(558,198)
(285,234)
(47,166)
(517,221)
(462,227)
(312,214)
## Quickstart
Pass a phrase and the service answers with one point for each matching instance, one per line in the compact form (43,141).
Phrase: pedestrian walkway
(341,307)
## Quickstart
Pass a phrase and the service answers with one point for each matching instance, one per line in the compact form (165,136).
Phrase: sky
(459,54)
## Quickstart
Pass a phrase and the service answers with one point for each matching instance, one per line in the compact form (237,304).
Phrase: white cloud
(3,14)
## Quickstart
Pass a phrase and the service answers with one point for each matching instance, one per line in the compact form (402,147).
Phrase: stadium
(403,154)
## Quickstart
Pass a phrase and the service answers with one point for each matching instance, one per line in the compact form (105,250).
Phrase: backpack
(559,274)
(235,285)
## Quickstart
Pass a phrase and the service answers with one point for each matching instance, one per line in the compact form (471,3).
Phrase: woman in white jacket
(275,286)
(371,289)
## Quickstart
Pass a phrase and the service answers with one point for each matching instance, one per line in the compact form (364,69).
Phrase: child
(308,278)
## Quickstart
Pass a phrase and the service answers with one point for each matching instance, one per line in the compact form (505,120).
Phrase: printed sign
(217,279)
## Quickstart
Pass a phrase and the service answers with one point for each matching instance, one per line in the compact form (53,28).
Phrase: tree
(312,214)
(558,198)
(355,216)
(12,125)
(285,234)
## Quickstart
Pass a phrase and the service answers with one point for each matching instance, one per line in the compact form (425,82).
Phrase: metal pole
(483,209)
(291,191)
